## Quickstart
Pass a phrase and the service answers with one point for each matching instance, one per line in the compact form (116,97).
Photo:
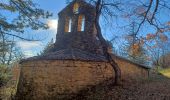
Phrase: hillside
(157,87)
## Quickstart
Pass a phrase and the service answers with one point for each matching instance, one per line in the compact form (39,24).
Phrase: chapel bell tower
(76,28)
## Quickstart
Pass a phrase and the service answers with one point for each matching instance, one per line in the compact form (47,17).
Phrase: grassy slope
(165,72)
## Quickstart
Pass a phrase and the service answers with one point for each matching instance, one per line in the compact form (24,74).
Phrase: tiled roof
(68,54)
(77,54)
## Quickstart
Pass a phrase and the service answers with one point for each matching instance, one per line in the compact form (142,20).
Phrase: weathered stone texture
(46,79)
(50,78)
(75,62)
(84,40)
(131,71)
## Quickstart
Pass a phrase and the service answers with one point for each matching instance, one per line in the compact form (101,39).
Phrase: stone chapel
(74,62)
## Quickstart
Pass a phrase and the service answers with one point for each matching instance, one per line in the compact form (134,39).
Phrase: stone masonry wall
(41,80)
(131,71)
(84,40)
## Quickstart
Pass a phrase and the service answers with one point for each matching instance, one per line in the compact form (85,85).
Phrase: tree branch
(145,16)
(20,37)
(155,10)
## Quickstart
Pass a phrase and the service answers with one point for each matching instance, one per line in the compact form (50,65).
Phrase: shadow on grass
(103,90)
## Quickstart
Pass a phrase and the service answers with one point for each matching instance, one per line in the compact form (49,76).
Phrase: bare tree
(99,6)
(105,8)
(144,13)
(134,48)
(9,53)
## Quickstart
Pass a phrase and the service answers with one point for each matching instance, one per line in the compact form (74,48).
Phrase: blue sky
(32,48)
(55,6)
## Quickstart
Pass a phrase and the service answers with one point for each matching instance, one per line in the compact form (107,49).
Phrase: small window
(68,24)
(81,23)
(76,8)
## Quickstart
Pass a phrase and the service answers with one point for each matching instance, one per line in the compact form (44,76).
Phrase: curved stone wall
(41,80)
(54,79)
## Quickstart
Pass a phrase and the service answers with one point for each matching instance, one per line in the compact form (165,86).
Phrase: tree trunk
(105,46)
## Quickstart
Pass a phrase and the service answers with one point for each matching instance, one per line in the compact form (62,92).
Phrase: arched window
(68,24)
(81,23)
(76,8)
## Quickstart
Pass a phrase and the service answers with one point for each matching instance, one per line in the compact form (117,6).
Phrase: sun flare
(52,24)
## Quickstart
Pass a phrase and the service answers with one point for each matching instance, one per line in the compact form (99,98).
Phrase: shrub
(5,75)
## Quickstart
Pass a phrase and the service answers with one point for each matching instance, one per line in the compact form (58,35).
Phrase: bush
(5,75)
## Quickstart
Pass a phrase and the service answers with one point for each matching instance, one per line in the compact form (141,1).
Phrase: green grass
(165,72)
